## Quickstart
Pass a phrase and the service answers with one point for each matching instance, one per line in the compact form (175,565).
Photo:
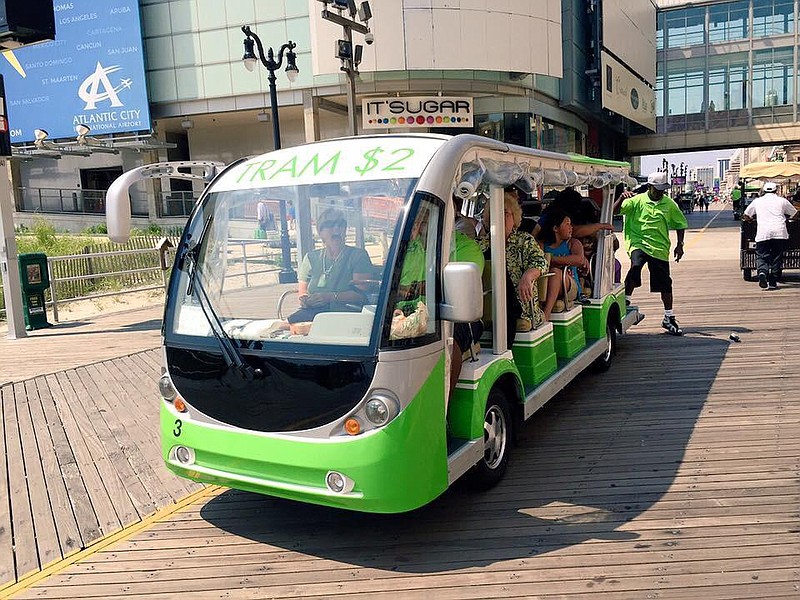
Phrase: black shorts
(461,334)
(660,280)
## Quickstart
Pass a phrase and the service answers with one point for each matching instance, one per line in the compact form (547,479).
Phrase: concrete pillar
(311,115)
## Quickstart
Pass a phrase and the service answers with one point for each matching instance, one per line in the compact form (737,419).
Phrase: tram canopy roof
(771,170)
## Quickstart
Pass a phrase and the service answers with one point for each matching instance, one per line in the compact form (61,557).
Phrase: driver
(326,276)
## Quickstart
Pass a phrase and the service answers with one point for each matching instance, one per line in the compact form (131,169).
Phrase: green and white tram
(346,404)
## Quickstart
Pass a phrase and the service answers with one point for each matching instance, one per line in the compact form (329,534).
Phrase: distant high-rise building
(723,166)
(705,177)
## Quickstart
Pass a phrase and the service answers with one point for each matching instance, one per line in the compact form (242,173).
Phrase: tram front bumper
(393,469)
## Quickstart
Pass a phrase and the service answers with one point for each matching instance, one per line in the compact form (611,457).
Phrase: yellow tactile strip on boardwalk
(106,542)
(80,459)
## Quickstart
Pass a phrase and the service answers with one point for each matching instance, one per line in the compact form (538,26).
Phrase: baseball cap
(658,180)
(770,186)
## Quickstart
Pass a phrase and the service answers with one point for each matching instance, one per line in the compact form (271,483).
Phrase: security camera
(369,38)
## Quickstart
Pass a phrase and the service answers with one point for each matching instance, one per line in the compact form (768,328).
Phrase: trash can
(35,280)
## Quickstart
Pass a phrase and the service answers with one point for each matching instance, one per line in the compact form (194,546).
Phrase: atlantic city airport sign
(91,74)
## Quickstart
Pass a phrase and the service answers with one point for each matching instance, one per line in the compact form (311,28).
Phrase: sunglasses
(332,224)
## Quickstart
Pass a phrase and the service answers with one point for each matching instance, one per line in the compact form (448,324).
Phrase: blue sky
(692,159)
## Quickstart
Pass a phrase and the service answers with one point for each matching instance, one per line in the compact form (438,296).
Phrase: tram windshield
(334,214)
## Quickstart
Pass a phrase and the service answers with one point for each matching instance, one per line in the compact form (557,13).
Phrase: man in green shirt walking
(649,216)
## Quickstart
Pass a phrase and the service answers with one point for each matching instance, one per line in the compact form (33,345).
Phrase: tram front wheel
(497,436)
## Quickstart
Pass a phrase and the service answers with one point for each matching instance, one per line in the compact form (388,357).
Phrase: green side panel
(466,411)
(395,469)
(569,339)
(596,315)
(536,363)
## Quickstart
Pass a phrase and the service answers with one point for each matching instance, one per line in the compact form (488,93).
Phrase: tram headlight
(339,483)
(381,408)
(168,391)
(377,412)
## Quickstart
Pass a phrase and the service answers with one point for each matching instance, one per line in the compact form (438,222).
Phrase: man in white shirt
(770,212)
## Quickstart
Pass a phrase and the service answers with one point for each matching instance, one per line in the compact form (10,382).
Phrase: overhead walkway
(718,130)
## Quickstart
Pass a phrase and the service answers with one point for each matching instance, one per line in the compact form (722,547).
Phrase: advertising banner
(91,74)
(626,94)
(416,111)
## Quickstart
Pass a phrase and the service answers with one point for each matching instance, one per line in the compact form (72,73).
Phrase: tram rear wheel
(497,436)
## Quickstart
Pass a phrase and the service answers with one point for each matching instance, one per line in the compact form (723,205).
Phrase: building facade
(726,75)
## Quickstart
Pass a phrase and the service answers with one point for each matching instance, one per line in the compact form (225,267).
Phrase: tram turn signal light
(179,404)
(352,426)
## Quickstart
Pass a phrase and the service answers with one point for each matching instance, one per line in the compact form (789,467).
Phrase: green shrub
(44,232)
(151,229)
(99,229)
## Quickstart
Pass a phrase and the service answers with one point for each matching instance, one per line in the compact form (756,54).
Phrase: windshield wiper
(192,252)
(233,358)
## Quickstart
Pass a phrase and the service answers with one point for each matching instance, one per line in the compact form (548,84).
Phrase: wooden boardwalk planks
(674,475)
(82,460)
(73,344)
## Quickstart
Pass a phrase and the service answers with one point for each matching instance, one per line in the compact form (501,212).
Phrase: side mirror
(463,293)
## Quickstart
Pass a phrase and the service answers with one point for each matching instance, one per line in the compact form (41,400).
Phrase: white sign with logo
(352,159)
(416,111)
(626,94)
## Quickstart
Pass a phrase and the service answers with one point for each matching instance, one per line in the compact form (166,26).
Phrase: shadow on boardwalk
(596,457)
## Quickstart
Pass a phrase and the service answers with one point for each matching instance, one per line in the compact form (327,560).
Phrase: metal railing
(62,200)
(162,265)
(177,204)
(269,256)
(93,202)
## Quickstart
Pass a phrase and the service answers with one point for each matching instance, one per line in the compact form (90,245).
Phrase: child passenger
(566,252)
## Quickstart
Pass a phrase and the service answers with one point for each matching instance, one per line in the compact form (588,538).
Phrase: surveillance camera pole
(350,70)
(349,65)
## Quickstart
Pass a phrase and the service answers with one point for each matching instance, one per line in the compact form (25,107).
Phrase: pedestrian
(770,212)
(649,216)
(261,214)
(290,215)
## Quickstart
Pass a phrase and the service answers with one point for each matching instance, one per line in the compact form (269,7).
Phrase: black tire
(497,437)
(747,274)
(603,362)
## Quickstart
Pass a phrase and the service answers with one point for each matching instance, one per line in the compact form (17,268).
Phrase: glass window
(414,300)
(560,138)
(728,22)
(727,81)
(772,17)
(491,126)
(340,238)
(685,84)
(773,77)
(685,27)
(547,85)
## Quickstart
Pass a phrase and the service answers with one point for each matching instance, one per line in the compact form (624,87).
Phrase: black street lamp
(286,274)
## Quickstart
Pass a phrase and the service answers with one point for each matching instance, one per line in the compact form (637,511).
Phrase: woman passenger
(326,275)
(525,262)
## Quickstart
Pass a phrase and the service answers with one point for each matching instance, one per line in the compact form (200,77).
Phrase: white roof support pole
(497,228)
(9,264)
